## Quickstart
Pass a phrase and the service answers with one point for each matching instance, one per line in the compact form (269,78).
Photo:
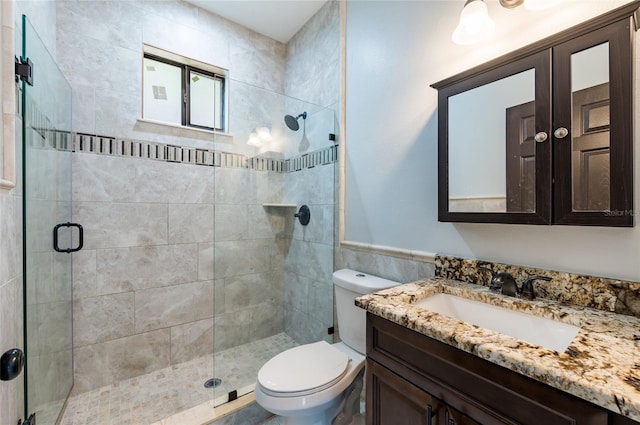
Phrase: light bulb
(475,24)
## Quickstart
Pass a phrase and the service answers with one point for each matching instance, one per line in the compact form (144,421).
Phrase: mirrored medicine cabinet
(543,135)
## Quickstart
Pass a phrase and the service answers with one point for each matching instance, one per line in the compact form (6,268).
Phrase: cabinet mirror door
(496,146)
(593,147)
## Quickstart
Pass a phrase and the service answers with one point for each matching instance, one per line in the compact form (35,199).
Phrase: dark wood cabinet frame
(551,59)
(620,36)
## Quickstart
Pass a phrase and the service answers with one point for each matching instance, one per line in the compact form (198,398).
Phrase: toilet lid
(303,368)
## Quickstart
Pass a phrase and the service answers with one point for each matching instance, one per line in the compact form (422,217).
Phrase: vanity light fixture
(475,24)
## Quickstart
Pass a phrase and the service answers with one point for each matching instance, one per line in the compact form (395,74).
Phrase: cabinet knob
(561,133)
(541,137)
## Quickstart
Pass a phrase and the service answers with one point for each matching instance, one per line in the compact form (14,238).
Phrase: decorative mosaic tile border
(587,291)
(173,153)
(112,146)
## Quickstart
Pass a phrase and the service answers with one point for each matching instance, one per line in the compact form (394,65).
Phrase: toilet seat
(303,370)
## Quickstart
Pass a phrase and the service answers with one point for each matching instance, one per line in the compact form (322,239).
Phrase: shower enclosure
(194,270)
(46,142)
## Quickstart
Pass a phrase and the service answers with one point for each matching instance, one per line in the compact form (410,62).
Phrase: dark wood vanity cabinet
(412,379)
(395,400)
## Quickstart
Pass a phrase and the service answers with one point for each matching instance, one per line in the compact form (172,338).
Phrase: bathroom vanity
(412,378)
(425,367)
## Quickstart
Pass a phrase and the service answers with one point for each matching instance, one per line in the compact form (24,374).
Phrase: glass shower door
(46,138)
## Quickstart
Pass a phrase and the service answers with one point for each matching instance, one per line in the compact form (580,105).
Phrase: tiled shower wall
(145,283)
(147,292)
(313,73)
(99,46)
(309,261)
(144,286)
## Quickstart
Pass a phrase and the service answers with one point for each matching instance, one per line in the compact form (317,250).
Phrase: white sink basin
(532,329)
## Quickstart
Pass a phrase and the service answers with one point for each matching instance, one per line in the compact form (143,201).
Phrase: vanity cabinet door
(593,158)
(453,417)
(393,400)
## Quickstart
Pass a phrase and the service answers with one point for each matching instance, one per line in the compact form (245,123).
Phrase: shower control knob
(304,215)
(541,137)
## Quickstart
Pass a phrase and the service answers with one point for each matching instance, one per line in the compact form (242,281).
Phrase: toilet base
(340,412)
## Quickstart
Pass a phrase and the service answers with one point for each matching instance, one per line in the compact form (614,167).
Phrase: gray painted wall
(391,183)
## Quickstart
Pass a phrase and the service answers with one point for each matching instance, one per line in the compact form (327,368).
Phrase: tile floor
(149,398)
(357,419)
(277,420)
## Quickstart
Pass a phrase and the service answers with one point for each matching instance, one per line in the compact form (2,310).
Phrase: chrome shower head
(292,122)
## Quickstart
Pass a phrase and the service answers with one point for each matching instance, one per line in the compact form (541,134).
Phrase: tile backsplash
(601,293)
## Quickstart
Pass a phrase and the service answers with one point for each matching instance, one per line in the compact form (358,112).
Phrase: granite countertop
(601,365)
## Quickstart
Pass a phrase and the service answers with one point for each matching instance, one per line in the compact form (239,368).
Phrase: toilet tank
(352,320)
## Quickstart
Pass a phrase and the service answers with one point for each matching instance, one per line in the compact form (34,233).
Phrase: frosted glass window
(162,99)
(179,93)
(206,100)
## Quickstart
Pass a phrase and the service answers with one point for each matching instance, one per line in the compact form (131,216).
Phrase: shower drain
(212,383)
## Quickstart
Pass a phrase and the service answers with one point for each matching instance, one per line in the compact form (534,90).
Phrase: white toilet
(320,383)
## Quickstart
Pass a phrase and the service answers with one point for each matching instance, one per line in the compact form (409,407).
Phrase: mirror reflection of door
(521,159)
(591,155)
(590,136)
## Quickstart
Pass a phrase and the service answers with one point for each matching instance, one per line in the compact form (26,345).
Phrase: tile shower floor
(149,398)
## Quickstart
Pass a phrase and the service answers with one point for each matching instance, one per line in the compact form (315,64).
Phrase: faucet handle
(494,284)
(527,286)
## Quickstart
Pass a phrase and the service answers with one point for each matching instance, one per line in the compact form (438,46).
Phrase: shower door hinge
(31,420)
(24,72)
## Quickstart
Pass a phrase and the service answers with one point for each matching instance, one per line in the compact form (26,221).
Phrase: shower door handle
(80,237)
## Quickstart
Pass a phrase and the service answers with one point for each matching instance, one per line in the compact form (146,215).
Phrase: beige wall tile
(173,305)
(103,178)
(167,182)
(231,222)
(190,223)
(109,225)
(103,318)
(205,261)
(236,258)
(84,273)
(104,363)
(191,340)
(127,269)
